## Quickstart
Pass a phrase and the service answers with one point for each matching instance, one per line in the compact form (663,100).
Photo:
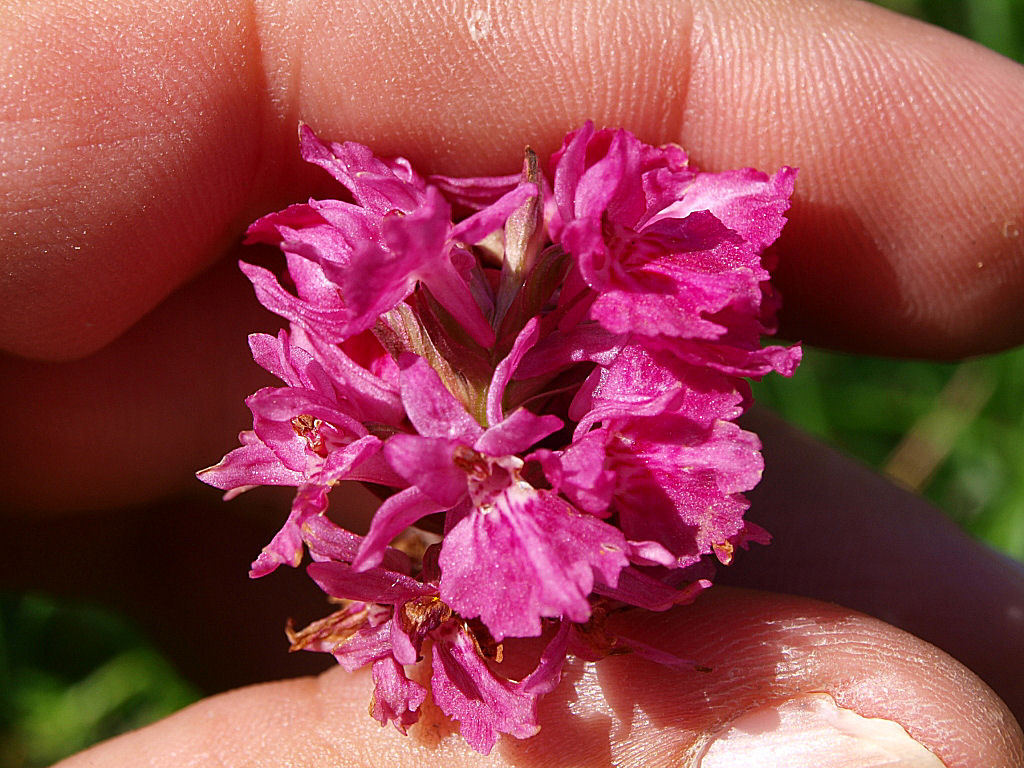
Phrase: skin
(125,190)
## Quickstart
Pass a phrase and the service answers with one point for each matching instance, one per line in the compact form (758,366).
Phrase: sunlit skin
(137,140)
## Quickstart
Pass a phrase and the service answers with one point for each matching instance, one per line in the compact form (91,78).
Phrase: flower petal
(493,217)
(373,585)
(517,433)
(394,516)
(331,320)
(643,591)
(366,394)
(432,409)
(528,556)
(467,691)
(503,371)
(580,472)
(376,184)
(681,484)
(247,467)
(474,193)
(746,201)
(396,698)
(327,541)
(429,464)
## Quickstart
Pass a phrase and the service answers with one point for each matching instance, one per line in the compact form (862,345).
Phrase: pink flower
(667,253)
(363,260)
(386,620)
(679,462)
(512,554)
(310,434)
(543,376)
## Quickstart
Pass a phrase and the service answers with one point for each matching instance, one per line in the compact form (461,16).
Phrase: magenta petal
(747,201)
(331,321)
(752,533)
(371,397)
(275,413)
(580,472)
(517,433)
(347,228)
(327,541)
(727,450)
(492,218)
(312,286)
(474,193)
(429,464)
(631,404)
(527,555)
(377,185)
(404,650)
(374,282)
(374,585)
(366,645)
(416,240)
(342,461)
(504,370)
(559,350)
(276,355)
(247,467)
(658,314)
(310,501)
(681,484)
(286,546)
(455,294)
(317,253)
(568,163)
(650,553)
(267,229)
(394,516)
(545,677)
(637,588)
(739,361)
(282,404)
(644,382)
(432,409)
(466,690)
(600,183)
(396,698)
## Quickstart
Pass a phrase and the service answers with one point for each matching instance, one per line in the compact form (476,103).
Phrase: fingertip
(129,147)
(904,236)
(786,673)
(905,233)
(507,75)
(815,671)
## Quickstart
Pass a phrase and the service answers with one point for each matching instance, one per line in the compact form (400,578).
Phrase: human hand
(891,214)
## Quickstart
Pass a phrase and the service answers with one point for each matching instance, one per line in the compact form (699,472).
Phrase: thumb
(793,682)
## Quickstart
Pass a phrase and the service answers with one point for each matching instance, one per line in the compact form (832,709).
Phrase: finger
(800,682)
(843,533)
(132,423)
(840,533)
(122,186)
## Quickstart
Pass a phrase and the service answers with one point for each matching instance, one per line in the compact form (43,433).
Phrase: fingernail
(812,730)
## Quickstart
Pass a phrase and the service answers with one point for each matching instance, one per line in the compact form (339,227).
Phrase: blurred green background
(73,674)
(954,432)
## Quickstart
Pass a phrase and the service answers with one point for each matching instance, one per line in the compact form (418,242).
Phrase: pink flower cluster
(543,369)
